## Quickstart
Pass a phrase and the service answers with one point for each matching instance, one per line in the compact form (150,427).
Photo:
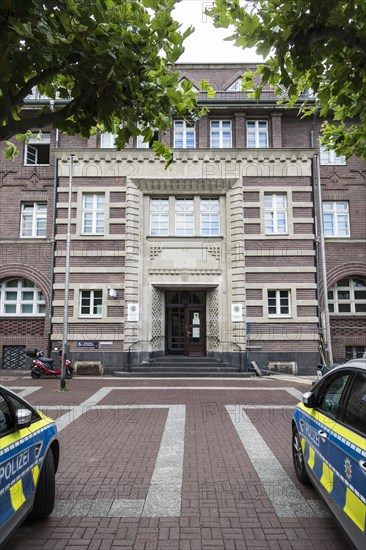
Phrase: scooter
(44,365)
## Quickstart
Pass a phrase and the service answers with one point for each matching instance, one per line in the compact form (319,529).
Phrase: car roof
(359,363)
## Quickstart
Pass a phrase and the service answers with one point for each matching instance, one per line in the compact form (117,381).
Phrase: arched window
(21,297)
(348,296)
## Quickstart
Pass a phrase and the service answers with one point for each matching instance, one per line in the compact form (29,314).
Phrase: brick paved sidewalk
(151,464)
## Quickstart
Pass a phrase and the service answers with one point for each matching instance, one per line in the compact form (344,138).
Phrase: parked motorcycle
(44,366)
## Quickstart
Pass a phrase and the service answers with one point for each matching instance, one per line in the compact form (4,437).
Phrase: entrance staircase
(183,366)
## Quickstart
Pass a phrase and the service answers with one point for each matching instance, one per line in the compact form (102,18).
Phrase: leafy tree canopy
(107,63)
(309,44)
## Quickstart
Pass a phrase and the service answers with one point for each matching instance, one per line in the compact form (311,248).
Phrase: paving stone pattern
(176,465)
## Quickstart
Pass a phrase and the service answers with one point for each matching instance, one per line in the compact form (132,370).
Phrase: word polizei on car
(329,445)
(29,456)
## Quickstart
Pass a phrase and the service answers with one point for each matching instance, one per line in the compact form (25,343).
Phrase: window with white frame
(236,86)
(221,134)
(348,296)
(330,157)
(159,217)
(184,134)
(257,134)
(108,140)
(91,302)
(279,303)
(210,217)
(33,219)
(37,150)
(184,217)
(336,218)
(275,213)
(21,297)
(141,144)
(93,219)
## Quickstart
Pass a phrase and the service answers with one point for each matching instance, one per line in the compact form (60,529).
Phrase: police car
(329,445)
(29,455)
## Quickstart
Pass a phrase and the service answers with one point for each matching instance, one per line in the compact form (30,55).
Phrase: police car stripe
(10,442)
(342,434)
(23,472)
(311,461)
(17,495)
(327,478)
(354,509)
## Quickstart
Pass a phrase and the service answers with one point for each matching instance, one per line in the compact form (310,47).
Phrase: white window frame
(255,129)
(23,286)
(330,158)
(212,213)
(334,215)
(159,216)
(279,302)
(221,130)
(335,300)
(185,130)
(95,211)
(273,214)
(37,214)
(92,305)
(31,149)
(108,140)
(184,217)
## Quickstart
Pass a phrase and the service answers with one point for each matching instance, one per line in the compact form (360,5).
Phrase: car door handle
(362,464)
(323,435)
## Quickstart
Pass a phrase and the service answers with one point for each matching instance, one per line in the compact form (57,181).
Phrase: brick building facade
(216,256)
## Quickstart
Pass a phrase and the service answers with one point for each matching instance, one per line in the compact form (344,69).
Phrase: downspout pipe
(53,246)
(316,228)
(327,334)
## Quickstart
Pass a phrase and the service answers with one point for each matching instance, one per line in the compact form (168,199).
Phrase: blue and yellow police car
(29,456)
(329,445)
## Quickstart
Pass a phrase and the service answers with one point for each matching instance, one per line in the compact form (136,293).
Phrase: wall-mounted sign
(133,312)
(236,313)
(196,319)
(87,344)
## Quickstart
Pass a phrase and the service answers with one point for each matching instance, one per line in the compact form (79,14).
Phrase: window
(37,150)
(336,218)
(221,134)
(331,393)
(355,414)
(279,303)
(33,219)
(329,157)
(236,86)
(348,296)
(159,217)
(107,140)
(275,213)
(91,303)
(257,134)
(141,144)
(355,352)
(184,135)
(6,423)
(184,217)
(93,213)
(20,297)
(210,217)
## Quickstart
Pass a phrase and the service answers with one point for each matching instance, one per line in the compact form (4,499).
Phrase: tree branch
(7,103)
(44,119)
(339,34)
(42,77)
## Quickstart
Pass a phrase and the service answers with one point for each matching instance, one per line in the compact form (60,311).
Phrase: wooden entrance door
(186,322)
(195,331)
